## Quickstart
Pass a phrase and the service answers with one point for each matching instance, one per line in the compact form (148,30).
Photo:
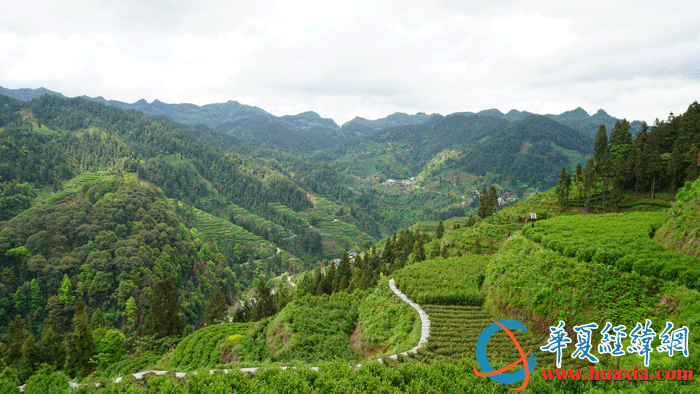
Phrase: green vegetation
(310,329)
(224,231)
(117,230)
(486,144)
(457,278)
(455,329)
(680,231)
(101,251)
(619,240)
(130,366)
(313,329)
(540,287)
(286,211)
(386,324)
(203,349)
(566,288)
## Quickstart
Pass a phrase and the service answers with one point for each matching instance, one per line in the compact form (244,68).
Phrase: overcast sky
(366,59)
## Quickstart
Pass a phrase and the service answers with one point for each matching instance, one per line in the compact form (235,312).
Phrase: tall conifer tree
(164,312)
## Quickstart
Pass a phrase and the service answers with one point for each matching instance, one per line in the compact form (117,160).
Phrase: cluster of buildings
(406,182)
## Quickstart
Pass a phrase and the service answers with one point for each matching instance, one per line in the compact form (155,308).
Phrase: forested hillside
(50,145)
(113,222)
(526,151)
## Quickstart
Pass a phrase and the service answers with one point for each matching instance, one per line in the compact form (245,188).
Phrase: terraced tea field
(130,365)
(454,331)
(346,231)
(202,348)
(212,226)
(325,208)
(623,240)
(284,210)
(261,222)
(451,281)
(46,196)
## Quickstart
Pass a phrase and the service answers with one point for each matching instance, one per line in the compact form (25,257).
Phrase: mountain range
(308,132)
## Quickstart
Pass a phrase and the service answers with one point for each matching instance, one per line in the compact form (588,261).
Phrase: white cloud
(346,59)
(532,35)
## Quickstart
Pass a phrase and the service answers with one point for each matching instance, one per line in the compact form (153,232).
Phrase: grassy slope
(386,324)
(681,231)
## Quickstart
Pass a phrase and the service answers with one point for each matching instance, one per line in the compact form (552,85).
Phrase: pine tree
(65,293)
(640,157)
(216,309)
(342,274)
(435,250)
(265,305)
(14,340)
(30,355)
(601,151)
(578,180)
(418,251)
(51,347)
(439,231)
(621,133)
(35,298)
(493,202)
(316,286)
(601,156)
(563,188)
(488,201)
(327,283)
(164,311)
(80,346)
(655,163)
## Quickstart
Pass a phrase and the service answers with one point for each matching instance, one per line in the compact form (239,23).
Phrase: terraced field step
(454,331)
(259,221)
(216,228)
(47,197)
(325,208)
(345,230)
(285,210)
(203,348)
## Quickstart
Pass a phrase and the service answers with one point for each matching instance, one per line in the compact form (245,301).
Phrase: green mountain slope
(523,151)
(681,230)
(110,240)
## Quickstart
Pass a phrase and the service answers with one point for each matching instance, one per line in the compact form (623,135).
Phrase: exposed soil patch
(671,303)
(360,345)
(524,147)
(227,356)
(278,339)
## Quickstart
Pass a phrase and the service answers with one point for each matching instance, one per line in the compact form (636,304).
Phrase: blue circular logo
(499,375)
